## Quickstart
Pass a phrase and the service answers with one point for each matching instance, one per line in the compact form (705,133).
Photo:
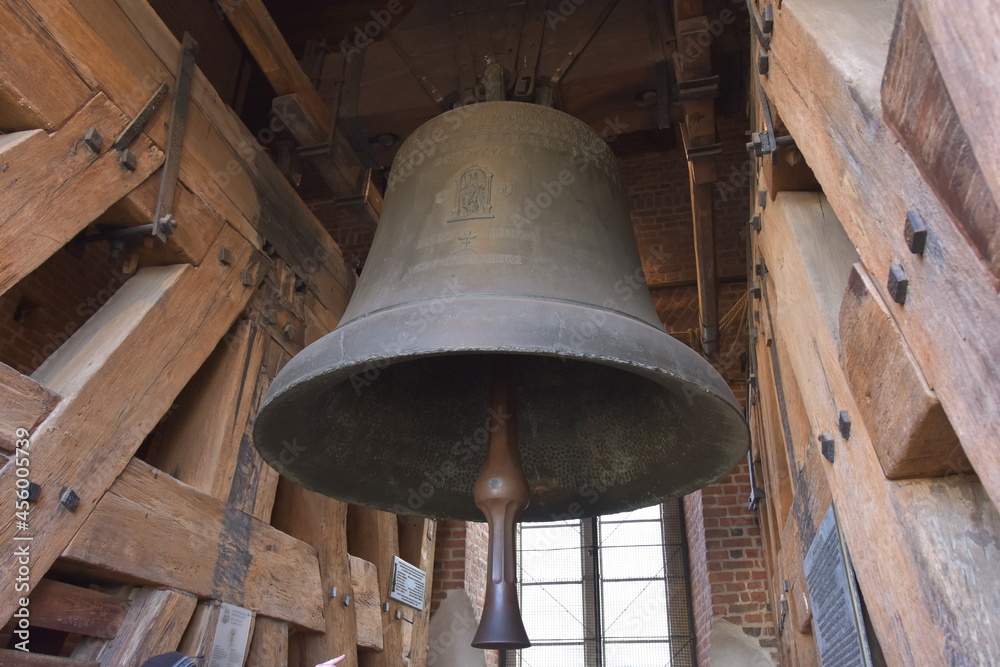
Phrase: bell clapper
(501,493)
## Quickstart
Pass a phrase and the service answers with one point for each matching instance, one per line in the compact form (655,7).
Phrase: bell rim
(341,364)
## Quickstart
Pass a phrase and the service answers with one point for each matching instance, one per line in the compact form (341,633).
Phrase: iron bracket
(178,119)
(137,124)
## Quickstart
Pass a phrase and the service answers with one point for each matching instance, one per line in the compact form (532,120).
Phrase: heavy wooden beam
(226,554)
(906,539)
(154,624)
(963,40)
(321,521)
(23,404)
(125,49)
(140,349)
(919,108)
(55,178)
(416,546)
(269,48)
(60,606)
(269,646)
(950,312)
(41,88)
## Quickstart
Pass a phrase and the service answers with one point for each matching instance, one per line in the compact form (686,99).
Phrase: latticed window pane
(606,592)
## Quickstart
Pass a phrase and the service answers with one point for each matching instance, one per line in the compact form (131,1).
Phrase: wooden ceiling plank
(411,65)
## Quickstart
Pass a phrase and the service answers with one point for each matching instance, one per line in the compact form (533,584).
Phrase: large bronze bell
(502,308)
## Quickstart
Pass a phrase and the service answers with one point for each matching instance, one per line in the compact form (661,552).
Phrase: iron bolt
(93,140)
(827,446)
(897,283)
(755,223)
(33,490)
(333,592)
(844,422)
(245,278)
(69,499)
(755,289)
(763,62)
(127,160)
(762,198)
(915,232)
(224,257)
(347,600)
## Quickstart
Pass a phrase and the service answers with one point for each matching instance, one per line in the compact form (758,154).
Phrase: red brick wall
(66,291)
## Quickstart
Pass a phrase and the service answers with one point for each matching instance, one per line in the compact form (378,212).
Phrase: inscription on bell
(473,195)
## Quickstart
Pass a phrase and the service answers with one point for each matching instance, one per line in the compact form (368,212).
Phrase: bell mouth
(392,410)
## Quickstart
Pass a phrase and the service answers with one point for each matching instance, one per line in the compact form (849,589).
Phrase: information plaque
(833,592)
(409,584)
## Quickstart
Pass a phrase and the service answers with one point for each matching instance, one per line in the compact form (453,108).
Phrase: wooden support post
(908,425)
(200,632)
(206,442)
(950,312)
(367,606)
(416,546)
(154,332)
(905,538)
(704,250)
(373,536)
(227,555)
(53,177)
(269,646)
(321,521)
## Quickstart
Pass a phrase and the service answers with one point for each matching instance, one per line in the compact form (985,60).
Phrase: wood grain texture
(269,645)
(12,658)
(908,540)
(118,375)
(126,49)
(200,632)
(825,75)
(908,426)
(24,403)
(963,39)
(374,536)
(154,625)
(416,546)
(321,521)
(204,546)
(40,89)
(367,606)
(919,109)
(60,606)
(53,177)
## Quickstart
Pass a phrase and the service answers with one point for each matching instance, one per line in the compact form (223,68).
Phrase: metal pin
(827,446)
(844,422)
(93,140)
(69,499)
(127,160)
(897,283)
(224,257)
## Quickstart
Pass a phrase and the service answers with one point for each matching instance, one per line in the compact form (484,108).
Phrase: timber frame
(859,316)
(186,348)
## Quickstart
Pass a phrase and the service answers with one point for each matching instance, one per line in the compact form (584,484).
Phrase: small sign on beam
(409,584)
